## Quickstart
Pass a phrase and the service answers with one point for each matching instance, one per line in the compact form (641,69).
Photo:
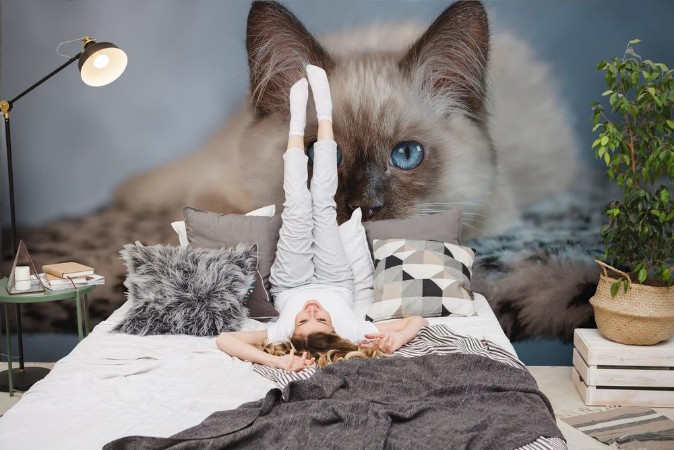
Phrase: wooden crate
(608,373)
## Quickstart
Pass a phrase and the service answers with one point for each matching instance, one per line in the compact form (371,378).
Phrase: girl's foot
(320,88)
(299,95)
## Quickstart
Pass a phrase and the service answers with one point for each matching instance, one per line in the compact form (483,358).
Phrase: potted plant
(636,141)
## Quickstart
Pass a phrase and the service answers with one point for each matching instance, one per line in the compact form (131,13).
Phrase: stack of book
(69,275)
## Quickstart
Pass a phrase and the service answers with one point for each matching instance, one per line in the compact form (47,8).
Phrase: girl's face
(313,319)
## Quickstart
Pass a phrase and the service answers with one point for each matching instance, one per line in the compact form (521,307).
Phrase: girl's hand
(294,363)
(387,341)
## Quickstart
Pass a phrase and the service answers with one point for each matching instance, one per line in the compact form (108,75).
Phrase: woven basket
(644,315)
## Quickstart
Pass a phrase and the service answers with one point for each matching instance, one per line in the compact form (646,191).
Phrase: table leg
(79,315)
(9,351)
(87,325)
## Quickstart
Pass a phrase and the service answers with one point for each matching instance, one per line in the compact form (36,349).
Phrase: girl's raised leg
(330,262)
(293,265)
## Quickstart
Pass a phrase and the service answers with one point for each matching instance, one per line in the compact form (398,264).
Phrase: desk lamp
(100,63)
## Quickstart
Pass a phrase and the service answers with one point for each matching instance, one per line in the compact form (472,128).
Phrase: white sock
(320,88)
(299,94)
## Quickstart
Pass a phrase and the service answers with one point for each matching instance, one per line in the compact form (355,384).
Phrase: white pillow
(357,252)
(179,226)
(355,245)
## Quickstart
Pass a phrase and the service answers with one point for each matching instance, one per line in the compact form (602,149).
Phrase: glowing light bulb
(101,61)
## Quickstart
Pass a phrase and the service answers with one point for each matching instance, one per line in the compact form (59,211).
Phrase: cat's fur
(485,110)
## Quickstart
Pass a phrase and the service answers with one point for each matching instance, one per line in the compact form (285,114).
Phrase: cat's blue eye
(407,155)
(310,154)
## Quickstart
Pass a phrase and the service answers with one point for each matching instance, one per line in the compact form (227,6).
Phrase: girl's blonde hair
(326,348)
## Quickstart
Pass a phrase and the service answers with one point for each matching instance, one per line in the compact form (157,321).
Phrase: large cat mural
(478,109)
(426,118)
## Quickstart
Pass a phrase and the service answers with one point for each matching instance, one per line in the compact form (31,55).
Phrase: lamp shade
(101,63)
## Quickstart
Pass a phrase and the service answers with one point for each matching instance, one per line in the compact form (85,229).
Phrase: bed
(114,385)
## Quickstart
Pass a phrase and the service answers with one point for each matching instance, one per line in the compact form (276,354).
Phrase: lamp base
(22,380)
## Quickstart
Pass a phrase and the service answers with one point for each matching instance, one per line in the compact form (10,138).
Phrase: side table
(81,305)
(610,373)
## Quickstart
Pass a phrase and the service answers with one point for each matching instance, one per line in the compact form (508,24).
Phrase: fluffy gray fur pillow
(194,291)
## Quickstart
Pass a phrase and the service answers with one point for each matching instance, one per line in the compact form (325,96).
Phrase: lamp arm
(10,103)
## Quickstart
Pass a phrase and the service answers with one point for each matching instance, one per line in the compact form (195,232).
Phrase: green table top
(37,297)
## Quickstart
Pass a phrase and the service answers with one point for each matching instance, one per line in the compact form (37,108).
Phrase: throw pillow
(443,227)
(192,291)
(421,278)
(351,232)
(357,252)
(213,230)
(181,230)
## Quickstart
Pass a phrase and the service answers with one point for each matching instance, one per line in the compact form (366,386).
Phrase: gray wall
(187,70)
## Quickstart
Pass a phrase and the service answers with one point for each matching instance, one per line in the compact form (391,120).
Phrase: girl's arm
(396,333)
(241,344)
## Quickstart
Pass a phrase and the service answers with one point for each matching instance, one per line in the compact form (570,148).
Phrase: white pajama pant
(309,248)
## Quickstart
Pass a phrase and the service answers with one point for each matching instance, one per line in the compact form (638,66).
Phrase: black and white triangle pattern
(421,278)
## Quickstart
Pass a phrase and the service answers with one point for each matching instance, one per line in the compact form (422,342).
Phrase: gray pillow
(213,230)
(192,291)
(443,227)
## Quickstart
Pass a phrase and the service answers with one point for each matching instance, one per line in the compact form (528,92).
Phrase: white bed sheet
(113,385)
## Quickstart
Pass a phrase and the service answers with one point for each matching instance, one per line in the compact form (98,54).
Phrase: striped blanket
(436,339)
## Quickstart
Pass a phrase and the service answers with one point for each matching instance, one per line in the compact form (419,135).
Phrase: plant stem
(631,146)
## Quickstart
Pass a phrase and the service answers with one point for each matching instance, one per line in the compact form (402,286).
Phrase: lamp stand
(92,74)
(23,377)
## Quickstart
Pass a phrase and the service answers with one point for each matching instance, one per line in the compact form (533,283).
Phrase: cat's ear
(449,61)
(279,48)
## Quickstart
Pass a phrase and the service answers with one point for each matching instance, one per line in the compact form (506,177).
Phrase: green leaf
(634,41)
(614,288)
(670,123)
(642,275)
(596,142)
(604,141)
(607,159)
(651,91)
(666,274)
(610,91)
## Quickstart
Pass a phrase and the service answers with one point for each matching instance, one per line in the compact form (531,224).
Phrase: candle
(22,278)
(22,273)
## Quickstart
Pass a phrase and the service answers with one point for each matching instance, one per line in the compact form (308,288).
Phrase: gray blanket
(433,401)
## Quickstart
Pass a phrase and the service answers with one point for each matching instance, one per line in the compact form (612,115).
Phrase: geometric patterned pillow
(421,278)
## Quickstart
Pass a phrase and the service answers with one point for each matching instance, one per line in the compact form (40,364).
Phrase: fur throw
(192,291)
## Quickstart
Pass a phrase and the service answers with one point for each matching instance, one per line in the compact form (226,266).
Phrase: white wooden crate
(608,373)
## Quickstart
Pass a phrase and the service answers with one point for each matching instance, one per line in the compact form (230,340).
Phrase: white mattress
(113,385)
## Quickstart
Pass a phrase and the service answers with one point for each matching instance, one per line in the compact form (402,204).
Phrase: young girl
(311,280)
